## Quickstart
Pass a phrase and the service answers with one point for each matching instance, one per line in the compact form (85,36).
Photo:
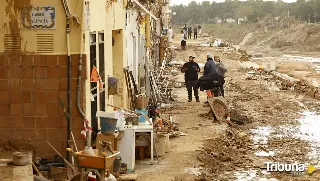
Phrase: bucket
(142,119)
(108,125)
(117,166)
(108,122)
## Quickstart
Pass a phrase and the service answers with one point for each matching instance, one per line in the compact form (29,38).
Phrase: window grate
(45,43)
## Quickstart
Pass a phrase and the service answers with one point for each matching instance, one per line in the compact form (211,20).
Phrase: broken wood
(123,177)
(36,169)
(6,161)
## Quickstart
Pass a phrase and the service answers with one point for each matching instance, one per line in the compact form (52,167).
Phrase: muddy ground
(277,125)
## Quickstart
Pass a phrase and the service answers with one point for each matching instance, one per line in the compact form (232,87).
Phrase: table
(126,144)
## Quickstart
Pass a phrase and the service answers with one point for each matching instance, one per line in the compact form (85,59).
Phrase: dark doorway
(101,71)
(93,86)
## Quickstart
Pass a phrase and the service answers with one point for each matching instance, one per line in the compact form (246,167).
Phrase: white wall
(134,43)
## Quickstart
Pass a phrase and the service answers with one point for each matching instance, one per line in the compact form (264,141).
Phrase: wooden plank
(6,161)
(124,177)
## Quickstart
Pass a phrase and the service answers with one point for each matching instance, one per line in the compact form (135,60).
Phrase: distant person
(185,29)
(183,41)
(199,29)
(191,70)
(170,35)
(189,32)
(195,32)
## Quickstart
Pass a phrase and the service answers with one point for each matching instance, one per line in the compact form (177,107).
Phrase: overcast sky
(185,2)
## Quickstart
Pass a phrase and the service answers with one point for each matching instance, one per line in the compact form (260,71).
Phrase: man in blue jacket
(209,66)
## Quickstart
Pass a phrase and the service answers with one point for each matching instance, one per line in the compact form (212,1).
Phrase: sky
(186,2)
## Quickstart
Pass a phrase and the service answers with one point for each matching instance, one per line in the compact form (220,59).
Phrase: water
(301,58)
(261,134)
(246,175)
(307,130)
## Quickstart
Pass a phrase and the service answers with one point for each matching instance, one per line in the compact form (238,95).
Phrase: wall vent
(45,43)
(12,42)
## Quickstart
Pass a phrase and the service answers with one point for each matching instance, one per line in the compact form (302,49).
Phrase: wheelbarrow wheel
(219,108)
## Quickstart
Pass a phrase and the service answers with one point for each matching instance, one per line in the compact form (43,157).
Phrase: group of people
(214,70)
(186,33)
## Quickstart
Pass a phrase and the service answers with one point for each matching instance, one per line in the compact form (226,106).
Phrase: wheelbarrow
(97,164)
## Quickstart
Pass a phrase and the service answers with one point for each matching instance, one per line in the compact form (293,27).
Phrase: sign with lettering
(40,18)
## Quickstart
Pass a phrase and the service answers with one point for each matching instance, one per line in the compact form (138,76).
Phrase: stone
(242,134)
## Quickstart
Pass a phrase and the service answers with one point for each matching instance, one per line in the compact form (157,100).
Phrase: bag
(121,122)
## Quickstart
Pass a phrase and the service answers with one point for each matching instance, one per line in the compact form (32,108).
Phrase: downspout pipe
(88,136)
(69,83)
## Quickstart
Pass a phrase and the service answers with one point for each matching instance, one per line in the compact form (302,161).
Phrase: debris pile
(222,153)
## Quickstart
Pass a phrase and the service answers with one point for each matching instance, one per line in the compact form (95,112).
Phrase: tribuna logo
(286,167)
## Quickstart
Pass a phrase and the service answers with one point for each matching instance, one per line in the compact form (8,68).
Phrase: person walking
(170,35)
(189,32)
(185,30)
(199,29)
(183,41)
(195,32)
(220,69)
(191,70)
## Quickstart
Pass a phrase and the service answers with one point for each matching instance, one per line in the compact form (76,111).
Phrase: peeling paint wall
(116,20)
(33,66)
(11,24)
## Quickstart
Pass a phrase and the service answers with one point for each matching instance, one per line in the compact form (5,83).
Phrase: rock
(242,134)
(225,158)
(289,84)
(214,154)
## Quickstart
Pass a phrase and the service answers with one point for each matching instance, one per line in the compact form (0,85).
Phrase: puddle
(246,175)
(265,154)
(301,58)
(309,131)
(309,128)
(261,134)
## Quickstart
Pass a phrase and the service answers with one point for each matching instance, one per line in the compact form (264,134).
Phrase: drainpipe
(88,136)
(67,11)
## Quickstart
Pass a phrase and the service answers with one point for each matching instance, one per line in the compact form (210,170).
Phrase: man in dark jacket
(189,32)
(210,66)
(191,70)
(185,30)
(195,33)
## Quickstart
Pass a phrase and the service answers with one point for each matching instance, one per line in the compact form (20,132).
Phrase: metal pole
(68,86)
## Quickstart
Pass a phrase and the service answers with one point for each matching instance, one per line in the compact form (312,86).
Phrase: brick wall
(30,111)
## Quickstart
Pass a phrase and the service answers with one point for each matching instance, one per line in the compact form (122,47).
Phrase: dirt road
(278,126)
(181,162)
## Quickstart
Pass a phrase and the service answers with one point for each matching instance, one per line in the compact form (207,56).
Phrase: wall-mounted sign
(40,18)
